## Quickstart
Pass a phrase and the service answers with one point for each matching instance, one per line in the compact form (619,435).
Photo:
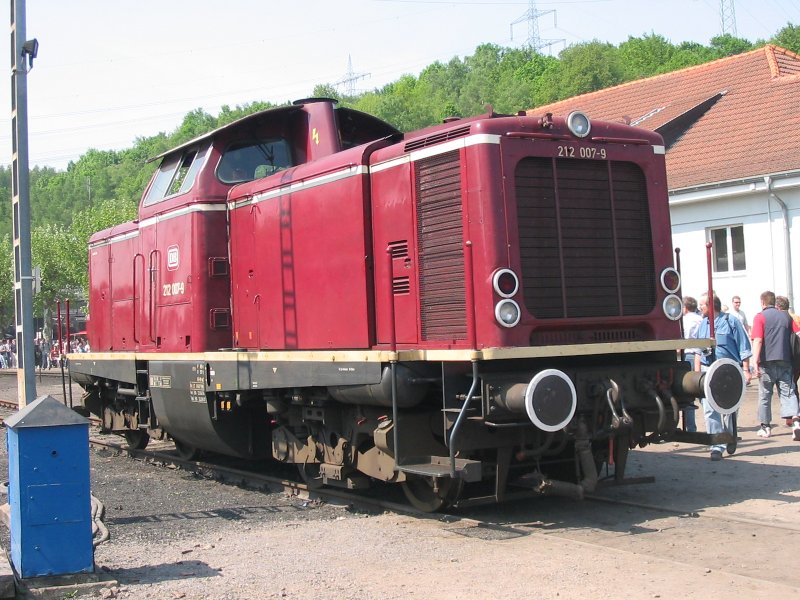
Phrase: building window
(727,248)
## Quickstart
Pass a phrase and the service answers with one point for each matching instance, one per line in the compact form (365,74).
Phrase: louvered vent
(399,249)
(401,286)
(437,138)
(585,238)
(441,248)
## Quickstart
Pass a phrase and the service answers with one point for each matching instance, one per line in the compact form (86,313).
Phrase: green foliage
(589,67)
(788,37)
(102,188)
(727,45)
(6,281)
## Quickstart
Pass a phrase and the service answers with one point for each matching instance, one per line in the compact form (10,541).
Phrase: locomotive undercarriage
(450,433)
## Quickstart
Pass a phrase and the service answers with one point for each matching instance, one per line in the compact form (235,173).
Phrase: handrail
(460,419)
(153,268)
(393,361)
(135,311)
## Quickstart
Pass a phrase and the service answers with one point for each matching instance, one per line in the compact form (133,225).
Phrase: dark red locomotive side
(310,285)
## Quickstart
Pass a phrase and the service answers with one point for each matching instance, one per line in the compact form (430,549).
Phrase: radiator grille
(441,248)
(437,138)
(568,272)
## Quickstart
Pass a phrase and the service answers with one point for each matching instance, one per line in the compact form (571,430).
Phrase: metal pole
(20,191)
(67,351)
(61,353)
(710,292)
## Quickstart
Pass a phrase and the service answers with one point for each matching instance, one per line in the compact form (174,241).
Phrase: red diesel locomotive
(475,310)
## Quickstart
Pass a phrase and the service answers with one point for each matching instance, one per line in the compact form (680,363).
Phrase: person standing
(773,361)
(736,311)
(691,320)
(733,343)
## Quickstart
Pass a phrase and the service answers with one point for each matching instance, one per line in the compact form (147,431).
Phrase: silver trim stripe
(305,184)
(193,208)
(465,142)
(115,239)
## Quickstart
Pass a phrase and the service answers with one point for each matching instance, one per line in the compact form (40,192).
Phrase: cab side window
(176,175)
(245,161)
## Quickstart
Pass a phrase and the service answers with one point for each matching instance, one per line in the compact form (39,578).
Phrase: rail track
(222,469)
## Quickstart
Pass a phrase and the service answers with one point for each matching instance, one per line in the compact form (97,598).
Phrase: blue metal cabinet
(48,490)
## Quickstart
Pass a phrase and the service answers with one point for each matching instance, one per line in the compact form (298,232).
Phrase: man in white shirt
(737,312)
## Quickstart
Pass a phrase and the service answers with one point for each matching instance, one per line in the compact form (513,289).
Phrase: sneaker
(788,421)
(716,455)
(796,431)
(765,431)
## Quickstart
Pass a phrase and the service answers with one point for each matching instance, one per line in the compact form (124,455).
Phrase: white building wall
(753,206)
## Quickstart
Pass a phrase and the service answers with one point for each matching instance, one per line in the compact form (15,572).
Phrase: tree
(788,37)
(588,67)
(6,283)
(646,56)
(727,45)
(326,91)
(195,123)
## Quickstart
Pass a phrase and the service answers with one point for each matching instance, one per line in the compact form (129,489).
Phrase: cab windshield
(245,161)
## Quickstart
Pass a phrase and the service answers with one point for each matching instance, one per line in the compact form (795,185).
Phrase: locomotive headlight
(507,313)
(673,307)
(505,283)
(579,124)
(670,280)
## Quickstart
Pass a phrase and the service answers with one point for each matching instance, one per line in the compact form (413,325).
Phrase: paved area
(175,535)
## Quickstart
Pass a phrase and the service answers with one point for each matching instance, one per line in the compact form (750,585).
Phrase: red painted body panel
(299,258)
(394,226)
(323,253)
(489,221)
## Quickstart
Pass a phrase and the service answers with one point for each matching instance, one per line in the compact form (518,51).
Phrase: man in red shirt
(772,355)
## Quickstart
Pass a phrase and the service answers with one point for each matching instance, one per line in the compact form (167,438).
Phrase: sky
(109,72)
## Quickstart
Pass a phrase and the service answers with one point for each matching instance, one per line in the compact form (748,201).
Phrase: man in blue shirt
(733,343)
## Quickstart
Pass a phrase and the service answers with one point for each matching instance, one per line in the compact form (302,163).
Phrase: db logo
(172,258)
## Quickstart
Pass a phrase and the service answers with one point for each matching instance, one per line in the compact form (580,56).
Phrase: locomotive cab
(162,283)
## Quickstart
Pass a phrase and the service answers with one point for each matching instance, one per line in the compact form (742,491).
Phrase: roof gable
(729,119)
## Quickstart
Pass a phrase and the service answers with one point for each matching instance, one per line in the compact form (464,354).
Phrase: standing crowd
(8,354)
(768,358)
(46,355)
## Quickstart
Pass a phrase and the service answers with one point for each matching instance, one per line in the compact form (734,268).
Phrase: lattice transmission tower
(532,16)
(348,82)
(727,15)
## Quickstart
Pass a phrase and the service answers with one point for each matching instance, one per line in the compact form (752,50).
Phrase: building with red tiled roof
(732,133)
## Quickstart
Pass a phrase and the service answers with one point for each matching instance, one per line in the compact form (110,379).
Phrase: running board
(439,466)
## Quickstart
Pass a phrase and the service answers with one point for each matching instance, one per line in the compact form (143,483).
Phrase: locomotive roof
(277,112)
(287,110)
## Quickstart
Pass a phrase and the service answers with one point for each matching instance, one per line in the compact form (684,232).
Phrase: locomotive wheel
(137,439)
(185,451)
(421,493)
(310,475)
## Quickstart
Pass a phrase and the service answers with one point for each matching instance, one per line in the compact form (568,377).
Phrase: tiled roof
(730,119)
